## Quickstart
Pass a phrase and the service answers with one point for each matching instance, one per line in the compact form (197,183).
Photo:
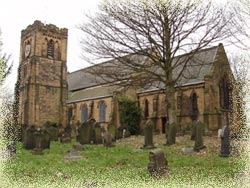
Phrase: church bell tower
(41,87)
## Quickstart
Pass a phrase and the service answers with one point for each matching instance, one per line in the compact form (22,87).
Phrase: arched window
(84,113)
(146,112)
(194,106)
(50,49)
(224,88)
(102,111)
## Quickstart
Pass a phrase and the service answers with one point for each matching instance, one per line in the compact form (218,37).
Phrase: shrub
(130,115)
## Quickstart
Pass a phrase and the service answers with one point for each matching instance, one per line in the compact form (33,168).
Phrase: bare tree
(241,12)
(156,30)
(5,69)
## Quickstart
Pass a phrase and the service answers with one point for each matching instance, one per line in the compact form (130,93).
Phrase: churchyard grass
(124,165)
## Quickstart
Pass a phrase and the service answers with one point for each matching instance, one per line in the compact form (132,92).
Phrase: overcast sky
(16,15)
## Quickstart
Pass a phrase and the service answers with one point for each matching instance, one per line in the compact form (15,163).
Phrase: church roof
(83,84)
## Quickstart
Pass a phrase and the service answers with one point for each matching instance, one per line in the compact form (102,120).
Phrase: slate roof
(83,85)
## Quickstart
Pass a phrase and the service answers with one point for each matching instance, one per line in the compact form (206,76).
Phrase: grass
(124,165)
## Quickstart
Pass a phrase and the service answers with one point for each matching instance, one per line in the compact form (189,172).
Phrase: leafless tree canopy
(5,68)
(241,22)
(156,29)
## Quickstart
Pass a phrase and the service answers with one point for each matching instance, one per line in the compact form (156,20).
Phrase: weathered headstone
(84,133)
(225,142)
(52,129)
(66,135)
(38,150)
(193,128)
(107,138)
(78,147)
(187,150)
(73,154)
(148,137)
(171,134)
(65,138)
(97,134)
(158,164)
(112,130)
(198,140)
(45,139)
(29,138)
(122,132)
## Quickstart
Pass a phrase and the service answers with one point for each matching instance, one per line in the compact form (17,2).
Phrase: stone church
(45,91)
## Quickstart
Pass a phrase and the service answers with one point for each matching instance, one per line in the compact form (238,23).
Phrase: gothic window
(102,111)
(146,111)
(194,106)
(50,49)
(84,113)
(224,88)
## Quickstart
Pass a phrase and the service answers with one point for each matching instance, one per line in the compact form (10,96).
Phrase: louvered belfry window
(50,52)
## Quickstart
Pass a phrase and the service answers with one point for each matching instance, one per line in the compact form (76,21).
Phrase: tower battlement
(48,28)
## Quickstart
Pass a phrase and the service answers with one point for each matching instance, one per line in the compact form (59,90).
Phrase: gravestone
(45,144)
(84,133)
(52,129)
(65,138)
(122,132)
(29,138)
(107,138)
(192,128)
(78,147)
(225,142)
(97,134)
(158,164)
(38,150)
(73,154)
(198,138)
(148,137)
(112,130)
(66,135)
(171,134)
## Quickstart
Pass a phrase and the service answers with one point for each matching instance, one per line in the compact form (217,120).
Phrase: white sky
(16,15)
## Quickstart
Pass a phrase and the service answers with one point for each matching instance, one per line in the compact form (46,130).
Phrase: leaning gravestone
(158,164)
(29,137)
(225,142)
(148,137)
(198,138)
(171,134)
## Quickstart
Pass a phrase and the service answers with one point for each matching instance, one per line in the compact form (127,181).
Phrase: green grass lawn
(124,165)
